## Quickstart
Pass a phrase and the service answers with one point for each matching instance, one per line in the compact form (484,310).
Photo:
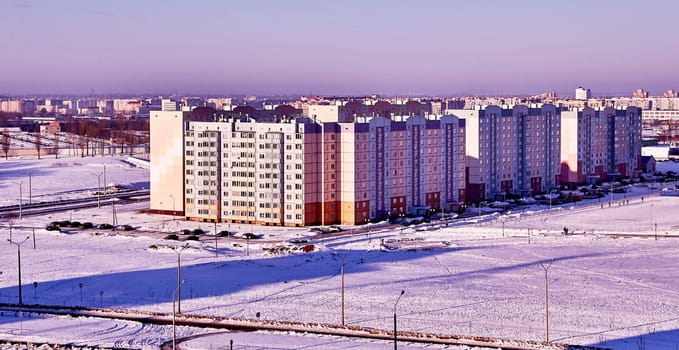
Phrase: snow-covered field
(482,277)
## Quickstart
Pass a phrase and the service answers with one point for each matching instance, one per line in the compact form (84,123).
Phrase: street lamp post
(174,315)
(395,335)
(21,198)
(18,244)
(546,268)
(179,251)
(98,188)
(342,285)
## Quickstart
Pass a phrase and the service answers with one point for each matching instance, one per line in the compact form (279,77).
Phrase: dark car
(75,224)
(250,235)
(224,234)
(192,238)
(186,231)
(172,237)
(52,227)
(198,231)
(105,226)
(87,225)
(126,228)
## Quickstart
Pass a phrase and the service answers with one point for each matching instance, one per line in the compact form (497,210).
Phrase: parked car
(126,228)
(75,224)
(87,225)
(192,238)
(198,231)
(224,234)
(172,237)
(52,227)
(105,226)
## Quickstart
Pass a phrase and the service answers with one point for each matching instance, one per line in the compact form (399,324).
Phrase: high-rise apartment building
(297,171)
(599,145)
(511,150)
(582,93)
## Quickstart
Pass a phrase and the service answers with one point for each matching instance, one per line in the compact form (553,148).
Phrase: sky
(348,47)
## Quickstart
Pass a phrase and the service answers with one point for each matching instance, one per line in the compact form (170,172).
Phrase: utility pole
(105,183)
(546,268)
(19,264)
(342,286)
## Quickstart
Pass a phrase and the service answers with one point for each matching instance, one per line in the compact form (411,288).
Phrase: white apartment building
(242,171)
(583,94)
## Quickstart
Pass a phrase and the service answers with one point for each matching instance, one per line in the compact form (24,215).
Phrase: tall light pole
(179,251)
(396,303)
(18,244)
(342,287)
(174,329)
(21,198)
(546,268)
(98,188)
(105,185)
(651,215)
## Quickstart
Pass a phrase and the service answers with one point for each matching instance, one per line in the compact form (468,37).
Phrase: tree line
(89,137)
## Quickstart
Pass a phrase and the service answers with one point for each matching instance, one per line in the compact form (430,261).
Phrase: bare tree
(5,142)
(56,145)
(82,139)
(37,141)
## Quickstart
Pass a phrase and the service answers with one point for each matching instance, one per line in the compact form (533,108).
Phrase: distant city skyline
(337,48)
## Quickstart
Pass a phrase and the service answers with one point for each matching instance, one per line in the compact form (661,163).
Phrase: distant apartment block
(640,93)
(582,94)
(660,115)
(599,145)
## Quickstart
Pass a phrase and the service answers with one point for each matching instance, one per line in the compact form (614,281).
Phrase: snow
(611,284)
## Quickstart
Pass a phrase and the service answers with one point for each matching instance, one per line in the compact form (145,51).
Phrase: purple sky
(338,47)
